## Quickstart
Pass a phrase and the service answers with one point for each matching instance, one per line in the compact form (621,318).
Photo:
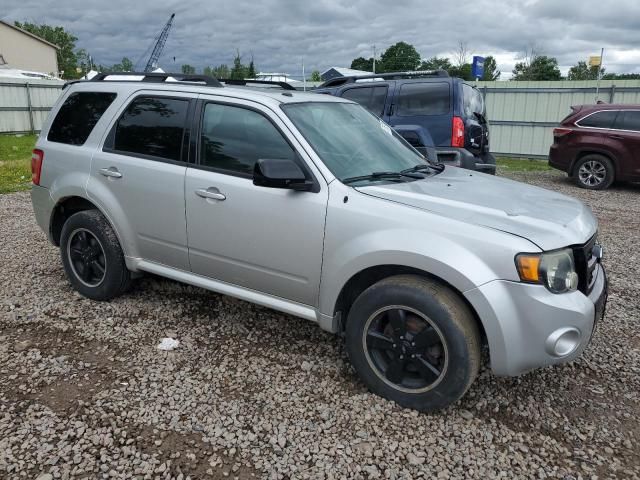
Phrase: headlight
(555,270)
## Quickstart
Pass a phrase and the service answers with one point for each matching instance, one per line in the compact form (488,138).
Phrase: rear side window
(78,115)
(234,138)
(371,98)
(431,98)
(628,120)
(472,101)
(602,119)
(152,126)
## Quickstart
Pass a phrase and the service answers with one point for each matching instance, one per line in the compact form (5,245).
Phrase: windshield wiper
(381,175)
(438,167)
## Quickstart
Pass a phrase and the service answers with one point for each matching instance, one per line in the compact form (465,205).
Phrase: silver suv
(311,205)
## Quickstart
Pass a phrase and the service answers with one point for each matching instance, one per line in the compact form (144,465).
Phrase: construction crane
(160,42)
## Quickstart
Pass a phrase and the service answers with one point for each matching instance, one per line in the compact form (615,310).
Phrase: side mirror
(280,173)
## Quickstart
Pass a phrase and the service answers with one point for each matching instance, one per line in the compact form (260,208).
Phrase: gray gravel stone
(253,393)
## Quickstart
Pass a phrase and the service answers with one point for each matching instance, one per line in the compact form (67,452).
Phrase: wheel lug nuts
(394,345)
(401,357)
(401,338)
(413,356)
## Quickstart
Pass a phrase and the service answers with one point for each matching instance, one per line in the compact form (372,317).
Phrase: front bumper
(43,206)
(529,327)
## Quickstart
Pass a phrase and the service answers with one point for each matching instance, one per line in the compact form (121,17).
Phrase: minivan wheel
(414,341)
(594,172)
(92,257)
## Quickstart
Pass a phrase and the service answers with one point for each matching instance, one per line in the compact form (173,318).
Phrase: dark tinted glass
(424,99)
(372,98)
(78,115)
(152,126)
(628,120)
(234,138)
(599,119)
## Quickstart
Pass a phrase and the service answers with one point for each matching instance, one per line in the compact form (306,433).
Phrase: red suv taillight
(561,132)
(457,132)
(37,157)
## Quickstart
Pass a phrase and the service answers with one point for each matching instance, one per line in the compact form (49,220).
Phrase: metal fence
(24,104)
(522,114)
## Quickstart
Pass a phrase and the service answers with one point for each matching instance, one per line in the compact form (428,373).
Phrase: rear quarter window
(602,119)
(433,98)
(78,116)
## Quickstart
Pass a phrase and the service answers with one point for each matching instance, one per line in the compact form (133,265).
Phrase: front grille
(586,263)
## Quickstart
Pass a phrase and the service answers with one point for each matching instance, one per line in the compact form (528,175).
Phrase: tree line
(76,62)
(533,65)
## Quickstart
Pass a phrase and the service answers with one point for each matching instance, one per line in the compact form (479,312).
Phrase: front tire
(594,172)
(92,257)
(414,341)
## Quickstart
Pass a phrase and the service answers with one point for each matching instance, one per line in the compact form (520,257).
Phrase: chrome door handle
(211,193)
(110,172)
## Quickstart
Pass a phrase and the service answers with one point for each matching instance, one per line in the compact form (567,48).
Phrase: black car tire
(92,257)
(594,172)
(444,316)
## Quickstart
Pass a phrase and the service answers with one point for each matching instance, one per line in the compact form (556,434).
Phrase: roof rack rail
(243,82)
(157,77)
(384,76)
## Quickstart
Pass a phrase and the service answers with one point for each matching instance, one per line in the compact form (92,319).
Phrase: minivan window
(472,100)
(432,98)
(234,139)
(628,120)
(78,115)
(602,119)
(371,98)
(152,126)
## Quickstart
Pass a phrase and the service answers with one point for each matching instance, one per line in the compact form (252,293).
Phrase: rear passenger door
(138,176)
(624,139)
(427,104)
(371,97)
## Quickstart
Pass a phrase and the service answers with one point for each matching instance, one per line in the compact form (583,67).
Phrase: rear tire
(594,172)
(92,257)
(427,364)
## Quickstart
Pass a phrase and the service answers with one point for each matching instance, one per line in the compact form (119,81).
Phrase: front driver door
(265,239)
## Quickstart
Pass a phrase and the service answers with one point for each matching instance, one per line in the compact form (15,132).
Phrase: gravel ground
(252,393)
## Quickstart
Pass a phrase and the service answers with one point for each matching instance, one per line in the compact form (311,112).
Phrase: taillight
(37,156)
(561,132)
(457,132)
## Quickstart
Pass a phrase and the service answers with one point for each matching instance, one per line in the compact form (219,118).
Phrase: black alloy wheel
(405,348)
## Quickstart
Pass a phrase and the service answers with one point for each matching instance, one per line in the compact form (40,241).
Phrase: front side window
(432,98)
(371,98)
(628,120)
(350,141)
(78,115)
(152,126)
(233,139)
(599,119)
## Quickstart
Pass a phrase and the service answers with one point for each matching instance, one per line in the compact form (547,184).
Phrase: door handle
(110,172)
(212,193)
(617,137)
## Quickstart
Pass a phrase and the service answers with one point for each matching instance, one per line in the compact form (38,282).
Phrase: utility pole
(599,75)
(304,77)
(374,58)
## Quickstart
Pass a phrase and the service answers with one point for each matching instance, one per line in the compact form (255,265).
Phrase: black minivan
(426,105)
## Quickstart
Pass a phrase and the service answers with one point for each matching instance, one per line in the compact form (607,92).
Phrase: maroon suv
(597,144)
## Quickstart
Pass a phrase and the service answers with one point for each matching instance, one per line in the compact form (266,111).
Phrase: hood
(548,219)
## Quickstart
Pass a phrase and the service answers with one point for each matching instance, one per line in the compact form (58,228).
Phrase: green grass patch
(522,164)
(15,162)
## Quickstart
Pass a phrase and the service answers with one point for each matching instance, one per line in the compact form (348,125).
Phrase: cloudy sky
(279,33)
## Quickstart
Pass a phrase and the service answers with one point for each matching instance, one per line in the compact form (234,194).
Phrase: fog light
(563,342)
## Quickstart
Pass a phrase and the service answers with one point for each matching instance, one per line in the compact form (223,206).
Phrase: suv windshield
(352,142)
